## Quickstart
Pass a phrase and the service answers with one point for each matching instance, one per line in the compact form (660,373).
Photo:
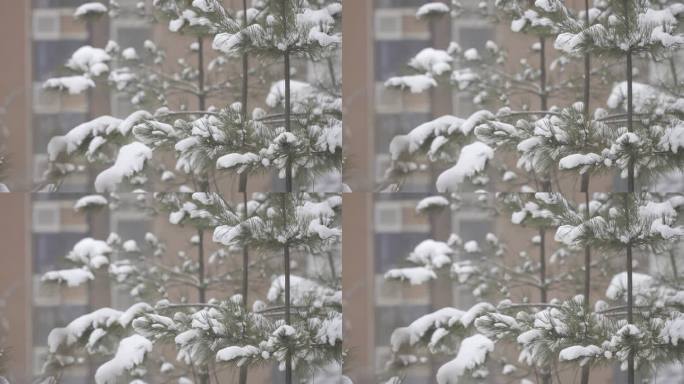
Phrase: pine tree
(211,139)
(212,330)
(302,143)
(640,143)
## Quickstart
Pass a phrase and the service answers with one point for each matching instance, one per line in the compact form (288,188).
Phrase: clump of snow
(644,97)
(472,160)
(330,331)
(579,160)
(641,287)
(300,93)
(302,291)
(579,352)
(90,201)
(569,42)
(90,9)
(415,83)
(72,84)
(133,119)
(471,354)
(131,160)
(90,252)
(471,247)
(431,253)
(72,277)
(431,202)
(434,8)
(67,336)
(471,55)
(432,61)
(240,160)
(76,137)
(129,54)
(673,330)
(415,331)
(415,275)
(132,312)
(130,353)
(89,60)
(415,139)
(226,234)
(237,353)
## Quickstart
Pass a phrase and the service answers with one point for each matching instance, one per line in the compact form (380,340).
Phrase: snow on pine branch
(130,353)
(472,353)
(74,85)
(129,162)
(89,9)
(471,161)
(72,277)
(431,9)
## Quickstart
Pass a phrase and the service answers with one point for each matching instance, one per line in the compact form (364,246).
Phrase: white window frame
(396,14)
(52,208)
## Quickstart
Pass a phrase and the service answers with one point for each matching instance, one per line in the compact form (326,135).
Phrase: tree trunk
(243,179)
(546,187)
(585,187)
(288,166)
(203,187)
(630,192)
(286,265)
(286,73)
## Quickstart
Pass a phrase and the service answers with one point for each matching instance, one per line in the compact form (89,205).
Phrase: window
(49,250)
(130,225)
(387,25)
(46,126)
(49,57)
(397,21)
(389,125)
(46,216)
(47,294)
(46,24)
(387,100)
(43,100)
(47,318)
(388,318)
(391,249)
(391,57)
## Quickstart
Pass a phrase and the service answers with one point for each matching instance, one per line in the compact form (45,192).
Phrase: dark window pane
(49,249)
(391,57)
(49,57)
(387,126)
(47,318)
(45,126)
(391,249)
(387,319)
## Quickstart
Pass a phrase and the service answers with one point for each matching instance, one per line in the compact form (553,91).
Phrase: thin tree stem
(204,186)
(542,266)
(286,262)
(243,179)
(585,188)
(630,190)
(288,165)
(286,70)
